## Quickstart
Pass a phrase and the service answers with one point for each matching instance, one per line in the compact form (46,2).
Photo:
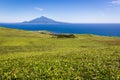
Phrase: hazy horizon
(73,11)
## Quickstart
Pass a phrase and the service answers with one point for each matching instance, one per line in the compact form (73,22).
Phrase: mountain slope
(43,20)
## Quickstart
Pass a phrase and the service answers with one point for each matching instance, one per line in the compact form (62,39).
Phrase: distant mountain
(43,20)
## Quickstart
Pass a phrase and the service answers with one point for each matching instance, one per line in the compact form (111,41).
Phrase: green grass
(34,56)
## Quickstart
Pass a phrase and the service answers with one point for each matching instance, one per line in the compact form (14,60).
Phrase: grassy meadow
(26,55)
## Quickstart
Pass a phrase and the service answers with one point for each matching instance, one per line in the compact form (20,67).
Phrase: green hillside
(28,55)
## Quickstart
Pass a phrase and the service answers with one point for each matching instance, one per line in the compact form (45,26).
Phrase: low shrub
(64,35)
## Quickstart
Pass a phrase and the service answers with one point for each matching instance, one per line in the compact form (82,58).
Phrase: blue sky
(76,11)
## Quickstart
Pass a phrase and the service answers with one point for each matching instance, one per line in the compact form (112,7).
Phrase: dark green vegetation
(64,35)
(35,56)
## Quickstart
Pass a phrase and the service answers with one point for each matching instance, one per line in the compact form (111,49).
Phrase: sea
(96,29)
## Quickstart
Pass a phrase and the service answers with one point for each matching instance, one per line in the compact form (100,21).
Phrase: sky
(74,11)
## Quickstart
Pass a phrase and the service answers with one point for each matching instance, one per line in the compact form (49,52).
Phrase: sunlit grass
(31,55)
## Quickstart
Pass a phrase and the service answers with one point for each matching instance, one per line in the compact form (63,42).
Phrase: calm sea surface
(98,29)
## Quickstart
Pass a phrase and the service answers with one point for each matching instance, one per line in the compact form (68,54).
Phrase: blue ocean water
(97,29)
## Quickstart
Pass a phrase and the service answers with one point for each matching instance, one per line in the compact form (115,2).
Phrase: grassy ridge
(31,55)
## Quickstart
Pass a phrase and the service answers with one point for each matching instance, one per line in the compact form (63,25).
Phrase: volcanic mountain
(43,20)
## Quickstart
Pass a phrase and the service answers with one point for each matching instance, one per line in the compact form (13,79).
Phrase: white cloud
(38,8)
(116,2)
